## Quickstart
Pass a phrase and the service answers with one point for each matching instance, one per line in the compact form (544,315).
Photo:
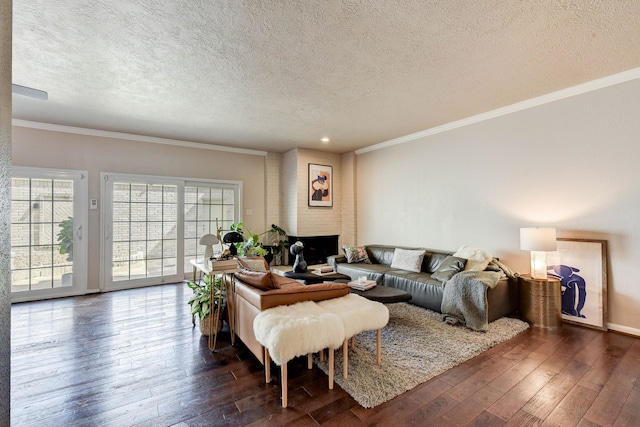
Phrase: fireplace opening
(316,248)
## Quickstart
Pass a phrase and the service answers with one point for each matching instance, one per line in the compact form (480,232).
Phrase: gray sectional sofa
(425,290)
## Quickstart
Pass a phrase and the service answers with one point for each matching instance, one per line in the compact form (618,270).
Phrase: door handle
(79,232)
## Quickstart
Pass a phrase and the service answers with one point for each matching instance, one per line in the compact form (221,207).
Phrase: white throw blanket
(464,300)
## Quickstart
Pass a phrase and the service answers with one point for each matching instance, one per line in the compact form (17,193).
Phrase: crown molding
(591,86)
(132,137)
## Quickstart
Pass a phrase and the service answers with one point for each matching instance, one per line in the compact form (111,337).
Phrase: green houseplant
(252,244)
(201,304)
(65,238)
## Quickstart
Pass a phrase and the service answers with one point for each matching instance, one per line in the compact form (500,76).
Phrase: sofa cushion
(450,266)
(380,254)
(356,254)
(477,259)
(257,279)
(253,263)
(406,259)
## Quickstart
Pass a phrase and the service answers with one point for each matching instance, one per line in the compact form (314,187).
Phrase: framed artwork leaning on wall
(581,266)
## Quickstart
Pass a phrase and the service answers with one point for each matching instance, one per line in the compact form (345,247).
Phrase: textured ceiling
(273,75)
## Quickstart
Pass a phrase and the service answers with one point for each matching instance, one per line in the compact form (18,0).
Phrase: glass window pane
(154,230)
(62,190)
(62,211)
(121,231)
(169,249)
(41,278)
(41,256)
(169,231)
(138,193)
(170,194)
(41,189)
(120,252)
(190,212)
(121,212)
(138,231)
(20,189)
(154,212)
(138,212)
(190,195)
(20,211)
(121,192)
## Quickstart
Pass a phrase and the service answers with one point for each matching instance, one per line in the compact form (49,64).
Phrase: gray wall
(5,204)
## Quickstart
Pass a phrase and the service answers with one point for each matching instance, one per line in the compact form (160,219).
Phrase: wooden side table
(540,301)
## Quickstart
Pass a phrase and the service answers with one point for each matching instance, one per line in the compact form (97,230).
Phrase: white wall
(572,164)
(49,149)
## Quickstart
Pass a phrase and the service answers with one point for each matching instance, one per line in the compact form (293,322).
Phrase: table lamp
(231,238)
(539,241)
(208,240)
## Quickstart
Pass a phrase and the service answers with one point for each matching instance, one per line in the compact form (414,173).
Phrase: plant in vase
(252,244)
(201,304)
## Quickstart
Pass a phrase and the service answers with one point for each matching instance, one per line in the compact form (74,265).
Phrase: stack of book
(362,285)
(322,270)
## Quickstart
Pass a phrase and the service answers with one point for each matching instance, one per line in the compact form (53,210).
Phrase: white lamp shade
(208,240)
(538,239)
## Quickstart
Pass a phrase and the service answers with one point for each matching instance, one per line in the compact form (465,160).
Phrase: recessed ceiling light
(325,139)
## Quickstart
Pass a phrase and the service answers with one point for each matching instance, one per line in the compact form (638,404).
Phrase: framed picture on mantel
(320,185)
(581,266)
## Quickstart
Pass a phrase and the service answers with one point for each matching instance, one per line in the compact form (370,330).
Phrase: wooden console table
(223,267)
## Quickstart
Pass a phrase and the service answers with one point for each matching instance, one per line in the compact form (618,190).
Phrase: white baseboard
(624,329)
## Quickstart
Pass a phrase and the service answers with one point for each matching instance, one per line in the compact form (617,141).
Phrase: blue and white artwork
(580,267)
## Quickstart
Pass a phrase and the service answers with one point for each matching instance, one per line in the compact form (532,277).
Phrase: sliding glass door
(48,224)
(142,224)
(152,226)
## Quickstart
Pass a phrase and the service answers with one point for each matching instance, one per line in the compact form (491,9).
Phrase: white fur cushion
(407,259)
(357,313)
(294,330)
(477,259)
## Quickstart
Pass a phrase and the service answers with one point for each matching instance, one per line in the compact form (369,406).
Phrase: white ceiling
(273,75)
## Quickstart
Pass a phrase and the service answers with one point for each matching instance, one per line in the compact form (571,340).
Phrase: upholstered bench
(289,331)
(358,314)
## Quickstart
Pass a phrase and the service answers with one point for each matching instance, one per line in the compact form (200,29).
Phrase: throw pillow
(253,263)
(450,266)
(356,254)
(407,259)
(477,259)
(257,279)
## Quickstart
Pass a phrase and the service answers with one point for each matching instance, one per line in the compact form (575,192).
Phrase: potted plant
(201,304)
(252,244)
(65,239)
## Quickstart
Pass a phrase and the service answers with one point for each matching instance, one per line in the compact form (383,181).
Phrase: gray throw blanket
(464,300)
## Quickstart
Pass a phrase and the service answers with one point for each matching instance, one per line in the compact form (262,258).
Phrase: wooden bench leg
(330,369)
(283,374)
(267,366)
(321,355)
(345,358)
(309,360)
(353,341)
(379,341)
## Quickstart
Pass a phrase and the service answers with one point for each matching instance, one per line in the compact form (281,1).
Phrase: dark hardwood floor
(132,358)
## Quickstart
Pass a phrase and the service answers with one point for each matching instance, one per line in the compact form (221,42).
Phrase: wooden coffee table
(384,294)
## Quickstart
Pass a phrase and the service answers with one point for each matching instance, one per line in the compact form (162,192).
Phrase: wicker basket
(205,325)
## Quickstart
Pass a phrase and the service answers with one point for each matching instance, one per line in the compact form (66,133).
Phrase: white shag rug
(416,346)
